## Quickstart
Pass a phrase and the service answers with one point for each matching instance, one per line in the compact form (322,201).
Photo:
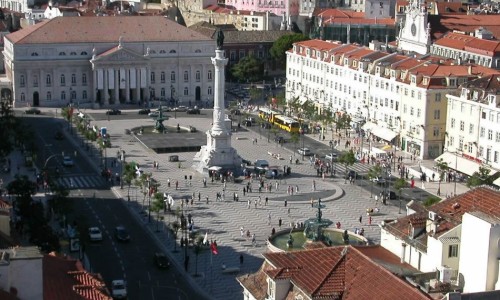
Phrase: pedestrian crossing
(360,168)
(81,181)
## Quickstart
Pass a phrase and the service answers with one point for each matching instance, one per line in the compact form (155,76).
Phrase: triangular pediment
(119,54)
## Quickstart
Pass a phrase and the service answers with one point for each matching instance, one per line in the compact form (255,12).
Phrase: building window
(411,111)
(84,95)
(495,157)
(73,79)
(452,123)
(172,76)
(22,81)
(453,251)
(152,77)
(437,114)
(471,128)
(482,132)
(63,95)
(209,91)
(497,137)
(186,91)
(490,134)
(23,97)
(435,132)
(63,80)
(186,76)
(35,81)
(462,125)
(84,79)
(162,92)
(419,111)
(209,75)
(162,77)
(438,97)
(198,76)
(48,80)
(49,96)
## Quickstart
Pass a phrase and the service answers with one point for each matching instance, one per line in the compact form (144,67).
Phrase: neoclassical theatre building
(108,61)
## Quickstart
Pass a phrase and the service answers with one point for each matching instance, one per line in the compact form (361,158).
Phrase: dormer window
(308,52)
(413,79)
(163,51)
(393,73)
(62,53)
(354,63)
(452,81)
(377,70)
(346,61)
(173,51)
(425,81)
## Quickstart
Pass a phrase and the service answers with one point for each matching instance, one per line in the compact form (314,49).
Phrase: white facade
(473,123)
(22,269)
(109,73)
(415,34)
(21,6)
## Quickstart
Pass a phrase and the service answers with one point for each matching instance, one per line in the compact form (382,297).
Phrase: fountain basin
(278,242)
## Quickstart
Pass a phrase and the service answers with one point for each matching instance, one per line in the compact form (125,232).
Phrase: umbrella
(215,168)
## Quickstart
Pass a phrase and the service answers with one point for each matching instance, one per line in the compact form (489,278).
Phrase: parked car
(247,123)
(161,260)
(379,180)
(304,151)
(279,139)
(32,111)
(331,156)
(193,111)
(252,119)
(274,173)
(266,125)
(118,289)
(390,195)
(122,234)
(181,108)
(154,114)
(113,111)
(67,161)
(144,111)
(95,234)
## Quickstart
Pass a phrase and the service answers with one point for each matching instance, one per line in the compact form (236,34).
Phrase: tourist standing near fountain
(218,152)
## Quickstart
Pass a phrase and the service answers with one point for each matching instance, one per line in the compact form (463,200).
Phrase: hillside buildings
(94,61)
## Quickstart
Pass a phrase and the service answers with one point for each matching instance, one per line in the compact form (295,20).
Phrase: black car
(122,234)
(247,123)
(113,112)
(144,111)
(193,111)
(351,174)
(390,195)
(161,260)
(266,125)
(32,111)
(279,139)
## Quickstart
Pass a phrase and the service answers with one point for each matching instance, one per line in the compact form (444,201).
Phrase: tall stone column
(137,85)
(94,90)
(117,86)
(127,86)
(105,93)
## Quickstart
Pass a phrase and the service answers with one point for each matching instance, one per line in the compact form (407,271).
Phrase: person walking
(267,199)
(280,222)
(255,203)
(361,219)
(254,241)
(269,218)
(286,202)
(248,203)
(241,259)
(242,231)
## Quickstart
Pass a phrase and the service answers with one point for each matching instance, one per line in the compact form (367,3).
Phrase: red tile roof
(338,16)
(66,279)
(450,8)
(105,30)
(469,43)
(450,212)
(337,272)
(465,23)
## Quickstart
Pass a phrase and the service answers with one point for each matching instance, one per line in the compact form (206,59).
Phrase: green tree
(157,205)
(347,159)
(480,178)
(431,200)
(283,44)
(294,138)
(399,185)
(249,68)
(255,93)
(8,123)
(175,231)
(129,174)
(373,173)
(198,247)
(442,167)
(293,105)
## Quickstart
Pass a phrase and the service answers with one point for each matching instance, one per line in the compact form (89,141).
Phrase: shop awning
(461,164)
(384,133)
(368,126)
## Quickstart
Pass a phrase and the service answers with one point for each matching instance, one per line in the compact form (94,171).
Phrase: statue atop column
(220,39)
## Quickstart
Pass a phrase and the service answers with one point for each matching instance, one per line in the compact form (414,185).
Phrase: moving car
(95,234)
(193,111)
(144,111)
(154,114)
(161,260)
(122,234)
(379,180)
(304,151)
(279,139)
(32,111)
(118,289)
(181,108)
(331,156)
(351,174)
(67,161)
(114,112)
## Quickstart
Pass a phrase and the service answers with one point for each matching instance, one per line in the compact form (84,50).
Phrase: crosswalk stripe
(81,181)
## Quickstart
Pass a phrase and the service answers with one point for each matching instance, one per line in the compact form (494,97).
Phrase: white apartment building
(92,61)
(459,237)
(473,126)
(401,98)
(462,47)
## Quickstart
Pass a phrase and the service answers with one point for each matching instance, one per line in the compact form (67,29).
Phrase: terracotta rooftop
(65,278)
(441,24)
(334,273)
(105,30)
(450,7)
(450,211)
(469,43)
(490,84)
(336,16)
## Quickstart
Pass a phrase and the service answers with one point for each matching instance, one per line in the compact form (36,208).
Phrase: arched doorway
(36,99)
(198,93)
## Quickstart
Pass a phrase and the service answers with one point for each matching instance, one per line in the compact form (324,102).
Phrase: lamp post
(121,156)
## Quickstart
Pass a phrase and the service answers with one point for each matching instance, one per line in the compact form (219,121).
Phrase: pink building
(278,7)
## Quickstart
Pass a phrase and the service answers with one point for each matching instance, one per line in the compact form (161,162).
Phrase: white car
(331,156)
(95,234)
(154,114)
(304,151)
(67,161)
(118,289)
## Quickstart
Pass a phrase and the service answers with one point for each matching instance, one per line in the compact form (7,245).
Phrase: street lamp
(121,156)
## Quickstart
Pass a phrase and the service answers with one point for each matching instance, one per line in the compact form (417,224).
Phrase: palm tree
(374,172)
(442,167)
